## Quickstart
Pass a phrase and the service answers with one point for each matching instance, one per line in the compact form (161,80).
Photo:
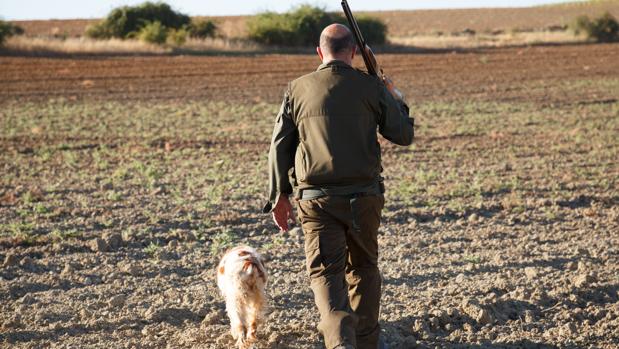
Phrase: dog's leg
(254,314)
(237,328)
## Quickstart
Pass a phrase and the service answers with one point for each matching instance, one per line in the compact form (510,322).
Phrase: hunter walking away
(252,175)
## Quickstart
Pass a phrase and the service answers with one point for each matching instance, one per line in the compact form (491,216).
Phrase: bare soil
(124,179)
(510,74)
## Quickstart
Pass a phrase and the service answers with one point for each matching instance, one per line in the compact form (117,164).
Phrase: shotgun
(368,56)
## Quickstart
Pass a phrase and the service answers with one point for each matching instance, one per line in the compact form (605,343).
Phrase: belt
(315,193)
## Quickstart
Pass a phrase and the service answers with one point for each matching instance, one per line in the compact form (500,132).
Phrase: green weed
(151,249)
(221,241)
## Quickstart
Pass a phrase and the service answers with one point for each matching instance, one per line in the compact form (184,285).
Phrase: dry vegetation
(81,45)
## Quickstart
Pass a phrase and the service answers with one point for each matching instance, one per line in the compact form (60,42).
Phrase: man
(325,140)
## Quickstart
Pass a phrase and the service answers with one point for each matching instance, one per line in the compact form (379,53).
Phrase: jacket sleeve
(394,122)
(281,154)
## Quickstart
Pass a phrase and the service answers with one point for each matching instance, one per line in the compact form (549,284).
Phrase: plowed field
(522,74)
(124,179)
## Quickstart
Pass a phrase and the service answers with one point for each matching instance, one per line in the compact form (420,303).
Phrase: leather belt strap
(315,193)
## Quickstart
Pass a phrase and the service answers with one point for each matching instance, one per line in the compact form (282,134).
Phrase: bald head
(336,42)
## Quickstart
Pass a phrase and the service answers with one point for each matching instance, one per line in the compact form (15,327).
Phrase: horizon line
(421,8)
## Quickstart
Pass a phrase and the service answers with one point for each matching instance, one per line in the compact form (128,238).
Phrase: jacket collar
(334,63)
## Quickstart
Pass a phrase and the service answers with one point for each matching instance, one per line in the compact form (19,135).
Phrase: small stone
(468,327)
(484,317)
(473,218)
(477,312)
(460,278)
(173,244)
(26,262)
(530,272)
(131,269)
(419,326)
(581,266)
(107,186)
(583,280)
(497,259)
(68,270)
(213,318)
(10,260)
(114,241)
(164,255)
(273,338)
(117,301)
(99,245)
(529,317)
(85,314)
(27,299)
(571,266)
(149,330)
(187,236)
(567,330)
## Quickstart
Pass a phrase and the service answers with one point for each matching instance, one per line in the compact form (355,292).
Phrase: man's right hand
(282,212)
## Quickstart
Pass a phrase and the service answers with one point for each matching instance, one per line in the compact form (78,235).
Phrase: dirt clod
(531,273)
(113,241)
(583,280)
(117,300)
(67,270)
(132,269)
(10,260)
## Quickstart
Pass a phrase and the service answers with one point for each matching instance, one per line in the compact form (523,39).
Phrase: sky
(62,9)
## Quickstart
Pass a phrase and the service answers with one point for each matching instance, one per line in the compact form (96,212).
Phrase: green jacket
(325,131)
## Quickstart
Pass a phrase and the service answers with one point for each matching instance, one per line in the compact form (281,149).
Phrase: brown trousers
(341,251)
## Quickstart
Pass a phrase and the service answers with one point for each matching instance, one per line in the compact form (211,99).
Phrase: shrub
(602,29)
(303,25)
(374,30)
(308,22)
(271,28)
(125,22)
(202,28)
(8,29)
(177,37)
(154,33)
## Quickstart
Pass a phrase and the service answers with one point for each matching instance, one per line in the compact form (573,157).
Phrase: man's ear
(354,50)
(319,51)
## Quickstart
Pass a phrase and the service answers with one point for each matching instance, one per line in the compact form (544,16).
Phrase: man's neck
(331,60)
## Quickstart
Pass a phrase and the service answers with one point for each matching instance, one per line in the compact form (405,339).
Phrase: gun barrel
(358,38)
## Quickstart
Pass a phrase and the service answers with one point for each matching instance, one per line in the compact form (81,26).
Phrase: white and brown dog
(242,277)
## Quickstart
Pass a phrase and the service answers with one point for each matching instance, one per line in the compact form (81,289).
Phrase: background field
(425,28)
(124,178)
(401,23)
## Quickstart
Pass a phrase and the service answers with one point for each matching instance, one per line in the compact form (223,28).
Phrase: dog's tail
(253,267)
